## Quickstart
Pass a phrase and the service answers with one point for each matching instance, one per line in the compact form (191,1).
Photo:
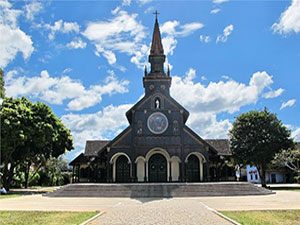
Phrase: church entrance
(122,169)
(157,168)
(193,169)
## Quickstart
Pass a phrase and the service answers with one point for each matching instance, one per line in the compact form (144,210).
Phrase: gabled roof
(221,145)
(80,159)
(142,100)
(92,147)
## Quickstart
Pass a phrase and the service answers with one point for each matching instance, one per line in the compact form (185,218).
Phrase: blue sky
(85,59)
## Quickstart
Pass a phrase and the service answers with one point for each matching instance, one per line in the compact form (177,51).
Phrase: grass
(265,217)
(9,196)
(41,218)
(285,188)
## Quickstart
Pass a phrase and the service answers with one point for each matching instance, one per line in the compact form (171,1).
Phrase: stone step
(144,190)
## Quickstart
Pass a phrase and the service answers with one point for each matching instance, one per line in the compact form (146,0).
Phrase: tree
(289,158)
(256,137)
(2,89)
(30,133)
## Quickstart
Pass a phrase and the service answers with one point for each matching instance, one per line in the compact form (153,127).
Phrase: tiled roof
(221,145)
(93,147)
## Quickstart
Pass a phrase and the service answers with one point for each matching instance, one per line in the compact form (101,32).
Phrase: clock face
(157,123)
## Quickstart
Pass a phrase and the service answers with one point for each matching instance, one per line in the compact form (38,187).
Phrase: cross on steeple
(156,13)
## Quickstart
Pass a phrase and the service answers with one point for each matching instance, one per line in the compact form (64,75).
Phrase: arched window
(157,103)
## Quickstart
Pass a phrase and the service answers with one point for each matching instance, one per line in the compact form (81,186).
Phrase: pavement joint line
(220,214)
(90,219)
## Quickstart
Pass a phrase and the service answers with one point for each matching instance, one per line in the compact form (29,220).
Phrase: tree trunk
(262,174)
(27,168)
(5,176)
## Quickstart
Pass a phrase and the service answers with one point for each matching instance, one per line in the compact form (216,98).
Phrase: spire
(156,46)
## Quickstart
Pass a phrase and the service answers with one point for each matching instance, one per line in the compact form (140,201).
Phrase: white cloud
(169,28)
(62,27)
(219,1)
(104,124)
(12,39)
(215,11)
(226,32)
(273,94)
(123,33)
(142,2)
(77,43)
(296,134)
(55,90)
(205,39)
(203,78)
(205,102)
(225,77)
(289,103)
(289,20)
(32,9)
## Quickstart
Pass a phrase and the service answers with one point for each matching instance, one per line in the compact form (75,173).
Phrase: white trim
(113,161)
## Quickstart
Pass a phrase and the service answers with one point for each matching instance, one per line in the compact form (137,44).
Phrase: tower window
(157,103)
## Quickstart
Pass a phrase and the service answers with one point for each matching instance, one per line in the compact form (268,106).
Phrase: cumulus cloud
(61,26)
(273,94)
(31,9)
(104,124)
(76,44)
(55,90)
(226,33)
(205,39)
(289,103)
(123,33)
(12,39)
(170,28)
(205,102)
(215,11)
(296,134)
(289,20)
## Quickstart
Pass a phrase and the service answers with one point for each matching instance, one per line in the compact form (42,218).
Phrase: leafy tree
(256,137)
(289,158)
(2,89)
(30,133)
(54,172)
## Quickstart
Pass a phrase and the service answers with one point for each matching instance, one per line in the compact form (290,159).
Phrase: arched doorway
(157,168)
(193,169)
(122,169)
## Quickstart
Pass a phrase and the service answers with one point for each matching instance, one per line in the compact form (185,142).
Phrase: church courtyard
(196,210)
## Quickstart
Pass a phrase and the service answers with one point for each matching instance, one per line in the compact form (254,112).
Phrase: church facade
(157,146)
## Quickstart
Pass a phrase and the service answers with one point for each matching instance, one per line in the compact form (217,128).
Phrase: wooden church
(157,146)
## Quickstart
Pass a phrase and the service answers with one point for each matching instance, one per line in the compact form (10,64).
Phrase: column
(170,165)
(145,168)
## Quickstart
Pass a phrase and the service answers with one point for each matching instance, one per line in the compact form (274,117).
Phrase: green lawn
(285,188)
(9,196)
(41,218)
(265,217)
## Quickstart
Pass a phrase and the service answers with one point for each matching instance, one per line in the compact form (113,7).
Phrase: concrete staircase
(158,190)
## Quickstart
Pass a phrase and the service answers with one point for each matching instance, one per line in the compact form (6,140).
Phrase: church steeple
(157,80)
(156,45)
(157,57)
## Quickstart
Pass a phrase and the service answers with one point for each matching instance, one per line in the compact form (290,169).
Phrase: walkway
(155,211)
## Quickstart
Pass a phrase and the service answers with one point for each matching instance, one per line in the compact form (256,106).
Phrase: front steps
(158,190)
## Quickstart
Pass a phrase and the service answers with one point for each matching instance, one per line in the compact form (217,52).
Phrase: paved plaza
(156,211)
